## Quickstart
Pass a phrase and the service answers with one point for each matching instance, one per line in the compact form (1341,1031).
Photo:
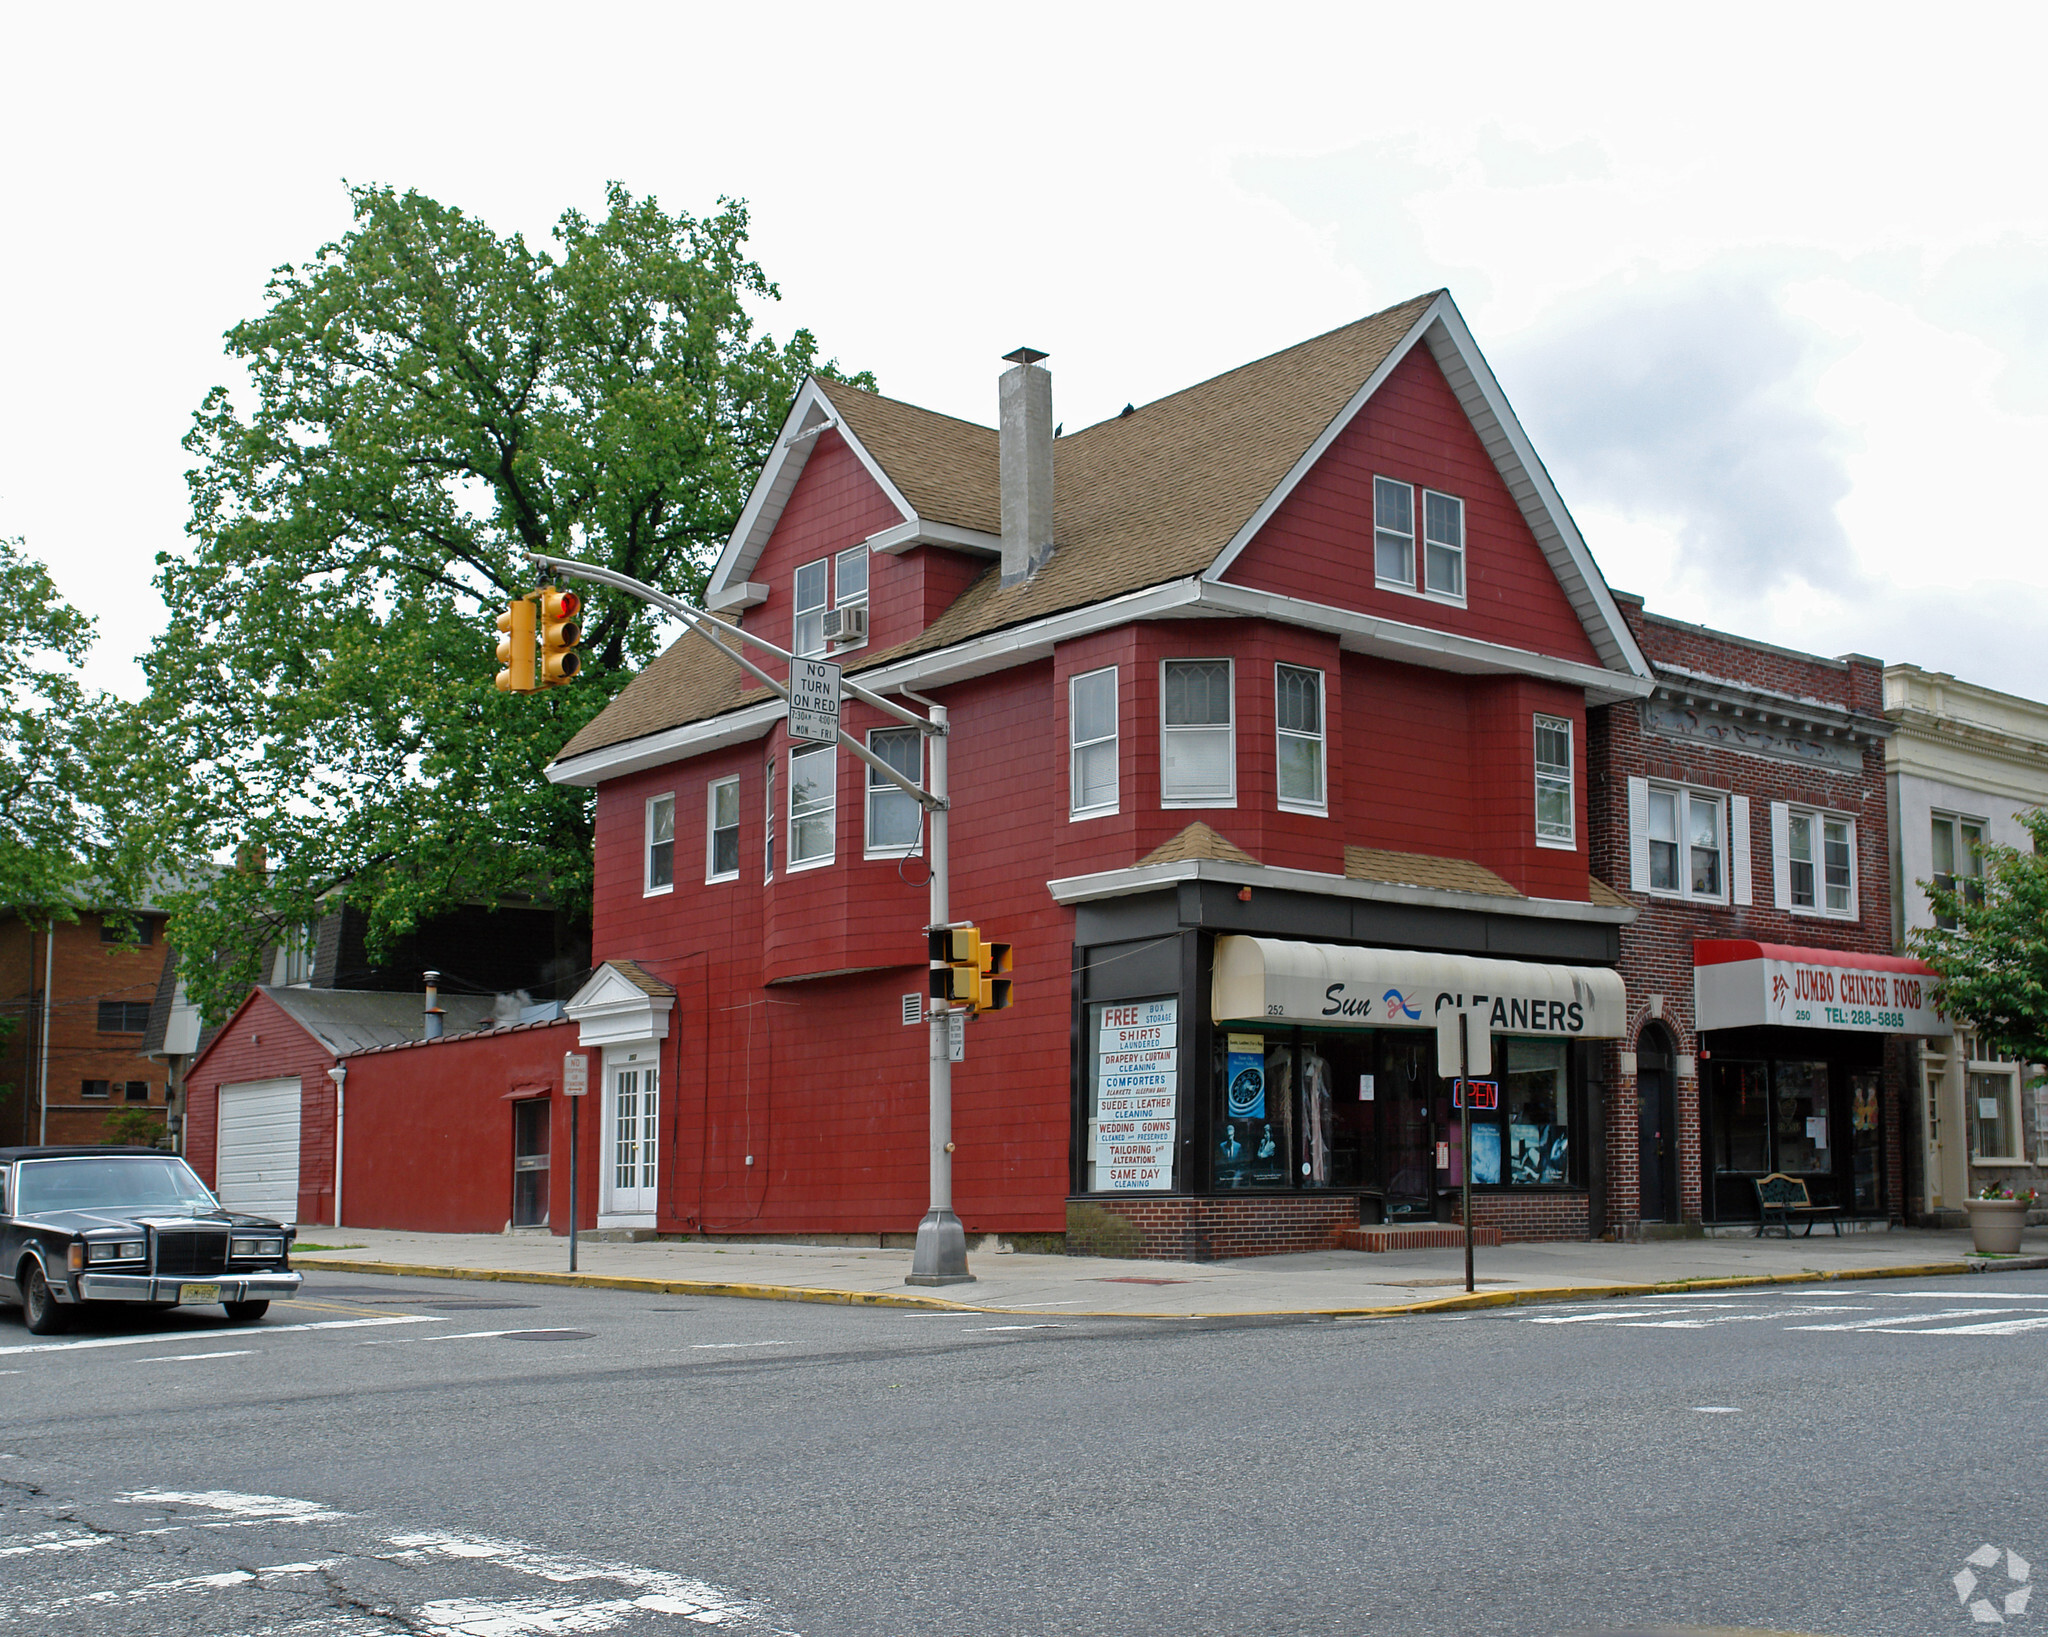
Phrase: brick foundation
(1438,1238)
(1208,1230)
(1521,1218)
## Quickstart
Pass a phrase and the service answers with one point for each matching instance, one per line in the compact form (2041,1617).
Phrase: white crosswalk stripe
(1880,1312)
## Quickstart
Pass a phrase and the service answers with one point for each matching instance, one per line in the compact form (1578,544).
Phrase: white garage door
(258,1166)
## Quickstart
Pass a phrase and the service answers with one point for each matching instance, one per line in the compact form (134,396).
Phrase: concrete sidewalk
(1324,1282)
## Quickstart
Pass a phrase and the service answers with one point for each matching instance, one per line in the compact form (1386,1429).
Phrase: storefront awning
(1741,984)
(1266,981)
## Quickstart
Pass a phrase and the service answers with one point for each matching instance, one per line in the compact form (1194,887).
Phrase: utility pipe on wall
(339,1075)
(43,1091)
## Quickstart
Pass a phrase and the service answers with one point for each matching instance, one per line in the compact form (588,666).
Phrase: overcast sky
(1768,287)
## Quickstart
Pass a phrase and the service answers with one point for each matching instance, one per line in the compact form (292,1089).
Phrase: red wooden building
(1268,722)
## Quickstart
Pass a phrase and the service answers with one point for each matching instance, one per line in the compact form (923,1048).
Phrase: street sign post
(956,1037)
(814,700)
(575,1085)
(1463,1048)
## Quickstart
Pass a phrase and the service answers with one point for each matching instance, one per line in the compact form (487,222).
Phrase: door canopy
(1740,984)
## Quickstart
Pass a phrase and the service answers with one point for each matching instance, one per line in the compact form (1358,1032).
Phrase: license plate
(188,1294)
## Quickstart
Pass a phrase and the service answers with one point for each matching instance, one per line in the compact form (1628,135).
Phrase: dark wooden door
(1657,1111)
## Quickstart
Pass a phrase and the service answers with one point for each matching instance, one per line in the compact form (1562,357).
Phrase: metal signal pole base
(941,1257)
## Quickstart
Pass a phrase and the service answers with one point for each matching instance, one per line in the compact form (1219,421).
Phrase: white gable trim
(811,414)
(611,1009)
(1443,329)
(901,537)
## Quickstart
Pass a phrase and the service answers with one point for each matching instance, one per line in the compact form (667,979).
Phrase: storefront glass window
(1255,1121)
(1864,1085)
(1741,1129)
(1537,1108)
(1993,1092)
(1133,1094)
(1799,1097)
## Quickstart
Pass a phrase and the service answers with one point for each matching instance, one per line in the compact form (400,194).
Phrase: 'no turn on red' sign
(814,700)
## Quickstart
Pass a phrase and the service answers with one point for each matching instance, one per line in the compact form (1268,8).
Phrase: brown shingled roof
(1138,500)
(1423,870)
(1197,841)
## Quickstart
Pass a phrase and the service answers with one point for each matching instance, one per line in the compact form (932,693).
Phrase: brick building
(77,995)
(1269,736)
(1742,808)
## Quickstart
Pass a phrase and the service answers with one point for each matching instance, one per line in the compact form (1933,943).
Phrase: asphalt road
(428,1456)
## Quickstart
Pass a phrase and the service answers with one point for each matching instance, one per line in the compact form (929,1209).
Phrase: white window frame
(1230,670)
(712,827)
(1686,794)
(768,815)
(2014,1109)
(1455,598)
(802,611)
(1411,584)
(1320,806)
(879,786)
(1819,818)
(1076,809)
(649,888)
(1569,840)
(830,808)
(841,600)
(1956,823)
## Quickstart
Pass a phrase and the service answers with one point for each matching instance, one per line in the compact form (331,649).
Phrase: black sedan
(85,1225)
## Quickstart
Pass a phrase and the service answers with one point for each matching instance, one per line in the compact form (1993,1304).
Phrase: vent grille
(182,1253)
(913,1009)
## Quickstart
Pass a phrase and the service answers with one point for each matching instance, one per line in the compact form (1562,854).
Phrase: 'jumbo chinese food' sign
(1740,984)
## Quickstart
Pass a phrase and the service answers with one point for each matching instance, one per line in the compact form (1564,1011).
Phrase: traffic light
(515,647)
(956,964)
(966,968)
(993,990)
(559,634)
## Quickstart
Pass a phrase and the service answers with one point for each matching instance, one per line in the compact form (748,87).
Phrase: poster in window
(1537,1154)
(1244,1071)
(1131,1137)
(1485,1153)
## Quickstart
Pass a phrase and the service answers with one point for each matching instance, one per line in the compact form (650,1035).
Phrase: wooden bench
(1782,1201)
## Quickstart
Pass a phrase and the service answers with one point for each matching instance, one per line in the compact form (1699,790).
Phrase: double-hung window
(1393,532)
(1687,843)
(1298,737)
(1554,807)
(1197,735)
(813,805)
(1820,862)
(895,821)
(1958,861)
(769,813)
(722,830)
(1993,1088)
(813,592)
(850,587)
(1091,744)
(1443,544)
(661,844)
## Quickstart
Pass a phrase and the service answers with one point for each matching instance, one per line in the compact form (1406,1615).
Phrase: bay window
(1554,807)
(895,821)
(722,830)
(1197,734)
(813,805)
(1092,772)
(661,844)
(1298,732)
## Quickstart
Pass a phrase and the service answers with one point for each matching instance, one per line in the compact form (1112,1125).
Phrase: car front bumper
(142,1287)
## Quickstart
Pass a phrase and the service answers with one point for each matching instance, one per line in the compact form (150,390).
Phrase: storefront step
(1437,1237)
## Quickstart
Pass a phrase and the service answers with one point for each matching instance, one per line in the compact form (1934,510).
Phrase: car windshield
(154,1182)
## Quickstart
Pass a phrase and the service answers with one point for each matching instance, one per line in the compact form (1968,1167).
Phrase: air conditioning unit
(847,624)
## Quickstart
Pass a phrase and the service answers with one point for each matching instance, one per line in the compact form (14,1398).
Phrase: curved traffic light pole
(941,1257)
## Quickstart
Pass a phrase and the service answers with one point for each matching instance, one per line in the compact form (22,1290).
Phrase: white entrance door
(631,1146)
(256,1168)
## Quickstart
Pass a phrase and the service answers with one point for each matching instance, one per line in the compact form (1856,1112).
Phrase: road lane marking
(1999,1327)
(236,1504)
(159,1339)
(983,1328)
(1715,1409)
(187,1358)
(719,1346)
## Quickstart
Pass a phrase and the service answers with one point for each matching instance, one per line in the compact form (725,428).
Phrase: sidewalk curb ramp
(1443,1304)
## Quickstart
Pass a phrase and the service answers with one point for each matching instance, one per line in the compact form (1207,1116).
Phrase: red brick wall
(1210,1230)
(1657,951)
(88,971)
(1529,1217)
(1318,545)
(262,1042)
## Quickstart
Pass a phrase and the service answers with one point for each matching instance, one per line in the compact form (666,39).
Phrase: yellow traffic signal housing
(560,631)
(515,647)
(956,964)
(992,989)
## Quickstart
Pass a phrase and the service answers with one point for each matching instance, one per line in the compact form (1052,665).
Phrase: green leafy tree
(63,755)
(426,400)
(1992,960)
(133,1125)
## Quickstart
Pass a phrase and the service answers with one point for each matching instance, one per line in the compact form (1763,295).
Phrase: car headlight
(256,1247)
(113,1250)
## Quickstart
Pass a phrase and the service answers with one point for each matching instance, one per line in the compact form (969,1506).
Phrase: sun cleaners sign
(1137,1086)
(1739,984)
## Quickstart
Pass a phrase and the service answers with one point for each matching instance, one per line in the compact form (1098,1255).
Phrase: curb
(933,1304)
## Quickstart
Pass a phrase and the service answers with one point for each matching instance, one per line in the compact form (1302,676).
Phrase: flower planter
(1995,1225)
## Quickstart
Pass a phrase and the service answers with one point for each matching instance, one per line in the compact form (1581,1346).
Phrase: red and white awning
(1740,984)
